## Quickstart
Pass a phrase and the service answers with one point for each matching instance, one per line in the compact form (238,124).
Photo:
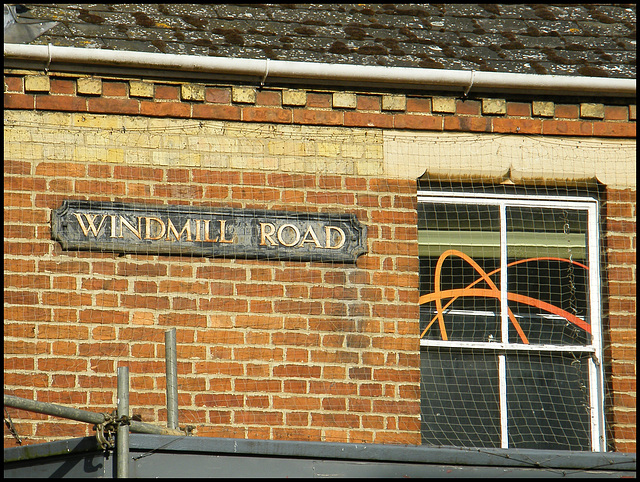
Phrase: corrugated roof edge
(49,57)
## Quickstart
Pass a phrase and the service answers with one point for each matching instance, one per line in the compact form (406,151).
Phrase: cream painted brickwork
(310,149)
(490,156)
(187,143)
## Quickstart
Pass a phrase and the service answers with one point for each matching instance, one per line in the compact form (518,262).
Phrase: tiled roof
(580,40)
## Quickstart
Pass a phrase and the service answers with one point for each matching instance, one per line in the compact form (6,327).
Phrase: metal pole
(171,362)
(52,409)
(122,438)
(81,415)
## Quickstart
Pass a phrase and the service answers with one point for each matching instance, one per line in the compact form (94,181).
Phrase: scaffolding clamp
(105,431)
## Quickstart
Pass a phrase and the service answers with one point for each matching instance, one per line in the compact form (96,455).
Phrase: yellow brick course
(330,150)
(192,92)
(543,108)
(140,89)
(100,121)
(494,106)
(294,97)
(595,111)
(394,102)
(37,83)
(89,86)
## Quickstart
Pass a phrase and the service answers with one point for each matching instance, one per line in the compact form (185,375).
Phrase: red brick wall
(280,350)
(619,246)
(283,350)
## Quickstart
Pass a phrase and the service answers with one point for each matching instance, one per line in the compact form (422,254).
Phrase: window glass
(548,275)
(460,402)
(458,245)
(548,401)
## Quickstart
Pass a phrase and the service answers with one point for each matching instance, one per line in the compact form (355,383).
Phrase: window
(510,321)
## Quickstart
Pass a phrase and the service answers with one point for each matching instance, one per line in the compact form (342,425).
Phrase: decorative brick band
(314,107)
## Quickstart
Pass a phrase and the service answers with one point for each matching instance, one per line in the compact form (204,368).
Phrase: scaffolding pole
(171,364)
(122,438)
(82,415)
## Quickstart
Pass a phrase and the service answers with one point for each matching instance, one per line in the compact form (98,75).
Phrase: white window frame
(596,375)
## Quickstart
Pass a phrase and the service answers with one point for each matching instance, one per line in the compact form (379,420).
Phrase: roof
(577,40)
(171,456)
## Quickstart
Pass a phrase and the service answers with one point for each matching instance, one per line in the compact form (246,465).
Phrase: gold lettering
(136,232)
(172,229)
(295,230)
(343,237)
(148,225)
(266,234)
(90,221)
(314,239)
(206,232)
(223,233)
(197,221)
(113,225)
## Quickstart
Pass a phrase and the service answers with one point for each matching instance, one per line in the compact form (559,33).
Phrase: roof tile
(568,39)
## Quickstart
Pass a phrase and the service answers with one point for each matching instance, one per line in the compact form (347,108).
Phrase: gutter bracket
(466,91)
(266,72)
(46,67)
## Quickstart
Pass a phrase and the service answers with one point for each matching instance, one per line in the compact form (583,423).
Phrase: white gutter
(93,61)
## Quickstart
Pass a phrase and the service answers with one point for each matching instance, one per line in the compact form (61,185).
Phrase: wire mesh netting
(267,348)
(468,322)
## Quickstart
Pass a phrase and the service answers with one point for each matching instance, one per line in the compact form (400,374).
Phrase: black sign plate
(212,232)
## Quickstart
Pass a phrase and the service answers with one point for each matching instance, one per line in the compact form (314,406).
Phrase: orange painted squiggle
(438,295)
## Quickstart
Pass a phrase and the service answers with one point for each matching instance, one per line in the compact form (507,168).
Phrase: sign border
(355,242)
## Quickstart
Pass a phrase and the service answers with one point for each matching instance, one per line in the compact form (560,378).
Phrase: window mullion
(504,308)
(598,434)
(504,327)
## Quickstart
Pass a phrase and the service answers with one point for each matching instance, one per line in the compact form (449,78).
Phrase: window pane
(460,398)
(459,244)
(548,401)
(547,276)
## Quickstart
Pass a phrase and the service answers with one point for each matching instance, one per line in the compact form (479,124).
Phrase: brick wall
(277,350)
(619,245)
